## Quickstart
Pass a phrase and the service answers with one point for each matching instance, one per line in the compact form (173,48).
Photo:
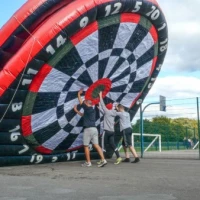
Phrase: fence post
(198,123)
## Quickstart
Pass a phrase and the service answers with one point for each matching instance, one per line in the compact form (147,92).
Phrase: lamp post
(198,123)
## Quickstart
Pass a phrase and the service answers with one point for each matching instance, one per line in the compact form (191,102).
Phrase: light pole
(198,123)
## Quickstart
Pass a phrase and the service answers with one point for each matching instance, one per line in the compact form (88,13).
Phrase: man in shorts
(90,133)
(108,123)
(125,128)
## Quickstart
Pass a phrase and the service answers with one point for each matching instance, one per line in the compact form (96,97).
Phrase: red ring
(105,82)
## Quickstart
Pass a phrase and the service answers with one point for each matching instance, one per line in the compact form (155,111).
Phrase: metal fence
(178,127)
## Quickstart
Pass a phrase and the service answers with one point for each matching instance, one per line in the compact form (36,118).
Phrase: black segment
(146,57)
(85,78)
(102,67)
(138,85)
(46,133)
(70,63)
(136,38)
(107,37)
(45,101)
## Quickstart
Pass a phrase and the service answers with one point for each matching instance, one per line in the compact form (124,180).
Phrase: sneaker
(126,160)
(103,163)
(86,164)
(99,162)
(136,160)
(119,160)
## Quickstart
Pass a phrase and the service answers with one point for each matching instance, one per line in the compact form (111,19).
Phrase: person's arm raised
(77,111)
(79,96)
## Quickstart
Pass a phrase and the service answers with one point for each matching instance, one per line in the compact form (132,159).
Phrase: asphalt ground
(151,179)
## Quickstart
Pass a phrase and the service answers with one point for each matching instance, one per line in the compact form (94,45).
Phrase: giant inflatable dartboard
(49,54)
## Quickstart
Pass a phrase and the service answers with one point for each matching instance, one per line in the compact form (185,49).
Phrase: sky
(180,74)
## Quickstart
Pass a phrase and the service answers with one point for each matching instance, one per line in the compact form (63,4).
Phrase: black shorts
(127,139)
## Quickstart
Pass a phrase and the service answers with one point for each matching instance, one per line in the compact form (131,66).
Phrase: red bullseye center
(92,93)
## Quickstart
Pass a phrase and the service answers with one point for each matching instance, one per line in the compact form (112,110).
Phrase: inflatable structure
(50,49)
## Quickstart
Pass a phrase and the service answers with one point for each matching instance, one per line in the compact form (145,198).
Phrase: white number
(54,159)
(137,6)
(117,7)
(159,67)
(16,106)
(162,27)
(154,13)
(26,82)
(15,129)
(68,156)
(50,50)
(26,148)
(150,84)
(164,45)
(32,71)
(36,158)
(74,154)
(60,41)
(84,22)
(14,136)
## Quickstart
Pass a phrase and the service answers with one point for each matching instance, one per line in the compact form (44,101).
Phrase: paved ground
(151,179)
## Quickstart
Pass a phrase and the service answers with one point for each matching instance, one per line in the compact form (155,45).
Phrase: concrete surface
(151,179)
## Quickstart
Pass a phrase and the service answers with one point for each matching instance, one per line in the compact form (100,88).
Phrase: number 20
(117,7)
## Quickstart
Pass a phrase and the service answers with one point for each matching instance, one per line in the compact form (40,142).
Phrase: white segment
(97,122)
(112,61)
(78,142)
(123,81)
(144,46)
(79,72)
(114,95)
(54,141)
(128,99)
(76,130)
(93,71)
(133,67)
(76,119)
(70,104)
(120,70)
(124,34)
(129,86)
(63,121)
(77,85)
(105,54)
(61,100)
(126,53)
(54,81)
(89,47)
(43,119)
(144,71)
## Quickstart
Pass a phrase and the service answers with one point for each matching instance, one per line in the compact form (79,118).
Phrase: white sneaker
(103,163)
(86,164)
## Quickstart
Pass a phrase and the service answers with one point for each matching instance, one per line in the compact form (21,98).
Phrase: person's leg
(124,144)
(87,154)
(111,141)
(105,141)
(86,141)
(95,142)
(128,133)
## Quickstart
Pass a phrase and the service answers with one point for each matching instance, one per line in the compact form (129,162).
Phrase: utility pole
(198,123)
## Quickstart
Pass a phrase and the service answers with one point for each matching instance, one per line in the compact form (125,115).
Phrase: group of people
(90,134)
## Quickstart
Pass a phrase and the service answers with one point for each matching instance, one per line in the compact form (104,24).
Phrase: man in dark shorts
(125,128)
(90,133)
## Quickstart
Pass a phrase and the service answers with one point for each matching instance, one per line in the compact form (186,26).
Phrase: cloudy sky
(180,74)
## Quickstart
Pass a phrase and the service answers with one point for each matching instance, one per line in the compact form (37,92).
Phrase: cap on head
(109,106)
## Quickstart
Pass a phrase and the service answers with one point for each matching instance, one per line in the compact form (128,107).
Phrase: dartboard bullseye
(103,85)
(116,47)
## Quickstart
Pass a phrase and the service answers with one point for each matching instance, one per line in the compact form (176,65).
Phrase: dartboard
(116,47)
